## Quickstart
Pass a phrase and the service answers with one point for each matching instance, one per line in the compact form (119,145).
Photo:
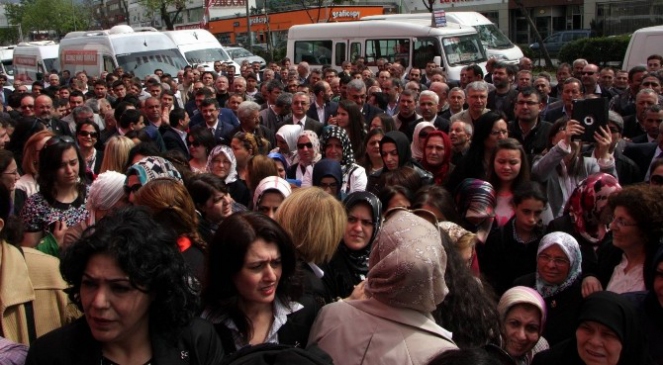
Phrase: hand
(59,229)
(590,284)
(603,139)
(332,121)
(358,292)
(573,128)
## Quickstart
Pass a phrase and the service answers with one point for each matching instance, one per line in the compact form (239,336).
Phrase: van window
(339,55)
(313,52)
(391,49)
(109,65)
(567,37)
(206,55)
(144,63)
(355,51)
(463,49)
(50,64)
(425,49)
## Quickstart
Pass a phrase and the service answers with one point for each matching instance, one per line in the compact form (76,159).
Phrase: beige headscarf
(407,264)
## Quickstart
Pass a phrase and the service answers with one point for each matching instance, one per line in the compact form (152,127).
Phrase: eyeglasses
(58,139)
(88,134)
(656,179)
(194,143)
(621,223)
(308,145)
(557,261)
(650,83)
(132,189)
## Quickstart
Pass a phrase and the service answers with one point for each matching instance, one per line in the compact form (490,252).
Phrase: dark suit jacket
(58,127)
(330,110)
(173,141)
(270,120)
(6,93)
(554,113)
(370,112)
(641,154)
(633,129)
(640,139)
(310,125)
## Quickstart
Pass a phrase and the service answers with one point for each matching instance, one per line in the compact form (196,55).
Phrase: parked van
(413,43)
(556,41)
(34,59)
(200,47)
(497,44)
(644,43)
(6,62)
(139,51)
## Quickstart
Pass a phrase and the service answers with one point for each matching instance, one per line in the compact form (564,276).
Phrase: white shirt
(626,282)
(301,122)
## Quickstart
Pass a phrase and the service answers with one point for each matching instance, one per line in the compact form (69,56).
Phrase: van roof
(656,29)
(187,36)
(363,28)
(461,17)
(114,31)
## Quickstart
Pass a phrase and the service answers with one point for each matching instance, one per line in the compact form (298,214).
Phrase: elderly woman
(222,163)
(251,292)
(523,316)
(349,266)
(557,279)
(405,284)
(131,283)
(308,153)
(607,331)
(637,228)
(286,141)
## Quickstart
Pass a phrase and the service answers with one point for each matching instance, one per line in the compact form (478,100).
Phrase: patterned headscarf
(153,167)
(407,264)
(477,196)
(415,147)
(571,249)
(339,133)
(587,202)
(228,152)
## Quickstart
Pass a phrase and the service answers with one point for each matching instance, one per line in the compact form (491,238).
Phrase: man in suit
(356,91)
(274,116)
(248,113)
(301,102)
(43,110)
(590,81)
(528,128)
(644,154)
(477,94)
(216,122)
(542,85)
(429,103)
(225,114)
(634,124)
(322,107)
(653,116)
(174,135)
(571,90)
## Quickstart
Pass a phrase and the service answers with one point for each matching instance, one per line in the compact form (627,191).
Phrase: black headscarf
(328,168)
(402,146)
(358,260)
(617,313)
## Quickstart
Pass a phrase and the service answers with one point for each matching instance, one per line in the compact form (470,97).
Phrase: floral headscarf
(587,202)
(407,264)
(571,249)
(228,152)
(339,133)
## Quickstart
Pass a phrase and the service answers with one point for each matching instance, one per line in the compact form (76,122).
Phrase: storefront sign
(352,14)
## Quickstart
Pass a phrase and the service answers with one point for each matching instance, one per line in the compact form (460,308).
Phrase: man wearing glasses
(301,102)
(590,81)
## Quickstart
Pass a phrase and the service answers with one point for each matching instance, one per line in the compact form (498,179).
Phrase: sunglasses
(656,180)
(302,145)
(58,139)
(88,134)
(194,143)
(650,83)
(132,189)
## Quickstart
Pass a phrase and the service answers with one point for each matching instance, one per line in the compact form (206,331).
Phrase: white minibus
(32,60)
(200,48)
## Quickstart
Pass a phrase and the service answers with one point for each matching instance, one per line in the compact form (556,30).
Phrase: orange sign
(25,61)
(82,58)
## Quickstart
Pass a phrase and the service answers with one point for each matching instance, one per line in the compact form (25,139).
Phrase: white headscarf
(106,190)
(228,152)
(415,147)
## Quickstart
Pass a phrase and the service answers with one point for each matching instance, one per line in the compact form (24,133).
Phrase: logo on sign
(345,14)
(258,20)
(25,61)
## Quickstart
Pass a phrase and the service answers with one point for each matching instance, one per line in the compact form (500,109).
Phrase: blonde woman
(116,154)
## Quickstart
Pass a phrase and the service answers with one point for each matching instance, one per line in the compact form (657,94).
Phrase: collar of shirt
(216,124)
(301,122)
(180,133)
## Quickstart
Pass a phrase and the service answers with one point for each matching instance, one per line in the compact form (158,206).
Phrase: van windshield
(9,67)
(492,37)
(206,55)
(144,63)
(464,49)
(51,64)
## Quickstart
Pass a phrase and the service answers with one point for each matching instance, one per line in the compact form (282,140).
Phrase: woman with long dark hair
(349,117)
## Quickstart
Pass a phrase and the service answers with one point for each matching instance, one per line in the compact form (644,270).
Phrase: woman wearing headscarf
(607,331)
(286,141)
(437,160)
(308,154)
(395,151)
(557,279)
(405,284)
(222,163)
(523,318)
(269,194)
(586,217)
(349,266)
(336,145)
(421,131)
(475,202)
(327,174)
(650,305)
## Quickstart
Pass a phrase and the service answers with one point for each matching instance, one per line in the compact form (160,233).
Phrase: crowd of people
(323,216)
